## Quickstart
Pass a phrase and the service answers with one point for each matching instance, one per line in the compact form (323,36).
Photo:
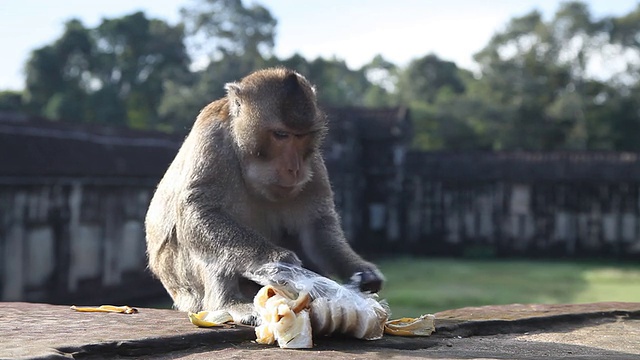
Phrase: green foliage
(383,77)
(424,78)
(538,70)
(419,286)
(11,101)
(533,91)
(221,28)
(113,74)
(625,29)
(137,56)
(55,74)
(68,105)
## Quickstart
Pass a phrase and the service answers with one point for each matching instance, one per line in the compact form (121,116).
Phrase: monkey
(247,187)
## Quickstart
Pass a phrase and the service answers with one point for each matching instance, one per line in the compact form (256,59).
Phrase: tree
(219,28)
(460,121)
(434,91)
(536,89)
(383,77)
(57,75)
(426,76)
(624,31)
(11,101)
(136,56)
(113,74)
(538,69)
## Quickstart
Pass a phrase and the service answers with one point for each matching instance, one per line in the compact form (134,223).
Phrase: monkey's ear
(302,79)
(233,94)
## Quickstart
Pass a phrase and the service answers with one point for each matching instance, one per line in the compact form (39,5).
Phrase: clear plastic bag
(334,308)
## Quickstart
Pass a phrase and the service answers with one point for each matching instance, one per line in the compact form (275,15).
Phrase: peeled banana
(284,319)
(363,320)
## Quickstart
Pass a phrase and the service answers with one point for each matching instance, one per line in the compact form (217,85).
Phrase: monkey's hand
(368,280)
(244,314)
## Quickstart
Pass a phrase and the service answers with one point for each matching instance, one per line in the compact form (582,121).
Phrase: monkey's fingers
(368,281)
(106,308)
(421,326)
(211,318)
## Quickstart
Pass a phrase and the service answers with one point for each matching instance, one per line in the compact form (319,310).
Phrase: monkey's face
(277,127)
(281,166)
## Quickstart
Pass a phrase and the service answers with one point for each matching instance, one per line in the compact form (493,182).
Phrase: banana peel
(420,326)
(211,318)
(106,308)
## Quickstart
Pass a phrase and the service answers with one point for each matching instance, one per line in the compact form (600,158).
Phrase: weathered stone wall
(553,204)
(73,240)
(522,218)
(72,206)
(365,156)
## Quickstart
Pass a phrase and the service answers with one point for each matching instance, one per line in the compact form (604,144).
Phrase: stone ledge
(598,331)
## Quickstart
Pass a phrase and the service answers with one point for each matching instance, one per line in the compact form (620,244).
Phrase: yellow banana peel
(106,308)
(421,326)
(211,318)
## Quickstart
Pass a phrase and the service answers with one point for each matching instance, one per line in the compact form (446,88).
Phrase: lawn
(418,286)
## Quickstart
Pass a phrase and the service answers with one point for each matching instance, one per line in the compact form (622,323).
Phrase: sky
(351,30)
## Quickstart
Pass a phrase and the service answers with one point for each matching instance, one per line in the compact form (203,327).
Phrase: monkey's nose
(294,168)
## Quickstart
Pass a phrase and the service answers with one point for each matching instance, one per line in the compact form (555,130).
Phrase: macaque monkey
(249,187)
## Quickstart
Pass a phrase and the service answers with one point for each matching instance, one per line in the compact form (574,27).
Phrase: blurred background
(481,153)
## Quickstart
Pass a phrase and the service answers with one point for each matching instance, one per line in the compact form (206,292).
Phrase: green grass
(419,286)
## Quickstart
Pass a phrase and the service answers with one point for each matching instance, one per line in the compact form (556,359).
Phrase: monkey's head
(277,128)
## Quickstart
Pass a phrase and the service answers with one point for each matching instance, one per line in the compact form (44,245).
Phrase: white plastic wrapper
(333,308)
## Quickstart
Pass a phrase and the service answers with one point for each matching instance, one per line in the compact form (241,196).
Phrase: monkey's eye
(280,135)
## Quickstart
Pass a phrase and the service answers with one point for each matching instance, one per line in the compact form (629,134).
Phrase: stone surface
(581,331)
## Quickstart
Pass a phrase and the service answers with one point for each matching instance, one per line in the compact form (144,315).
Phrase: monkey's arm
(211,234)
(329,250)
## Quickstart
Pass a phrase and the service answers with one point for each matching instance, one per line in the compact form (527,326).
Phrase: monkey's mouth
(285,190)
(288,188)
